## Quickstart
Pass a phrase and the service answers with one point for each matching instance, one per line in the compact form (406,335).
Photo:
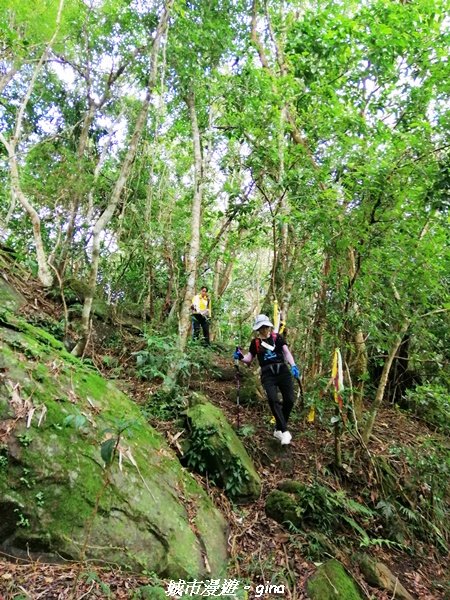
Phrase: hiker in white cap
(273,354)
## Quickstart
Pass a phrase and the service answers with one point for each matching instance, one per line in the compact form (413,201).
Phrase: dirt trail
(261,551)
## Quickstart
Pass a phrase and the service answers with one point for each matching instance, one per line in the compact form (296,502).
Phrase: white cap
(261,320)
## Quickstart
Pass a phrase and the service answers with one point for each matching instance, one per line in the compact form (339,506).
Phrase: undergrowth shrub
(432,403)
(165,404)
(422,495)
(325,510)
(203,457)
(162,352)
(325,515)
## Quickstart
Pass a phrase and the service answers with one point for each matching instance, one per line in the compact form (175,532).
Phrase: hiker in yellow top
(201,313)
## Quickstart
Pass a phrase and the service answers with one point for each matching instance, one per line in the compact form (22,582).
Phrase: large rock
(214,447)
(379,575)
(56,496)
(250,390)
(9,297)
(283,508)
(332,582)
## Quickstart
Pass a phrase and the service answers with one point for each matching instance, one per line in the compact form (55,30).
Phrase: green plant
(26,479)
(22,520)
(420,496)
(92,577)
(326,511)
(202,456)
(236,476)
(246,431)
(25,439)
(165,405)
(162,352)
(77,421)
(155,360)
(431,402)
(367,542)
(200,450)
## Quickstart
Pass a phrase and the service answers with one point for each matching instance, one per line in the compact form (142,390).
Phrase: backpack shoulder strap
(273,335)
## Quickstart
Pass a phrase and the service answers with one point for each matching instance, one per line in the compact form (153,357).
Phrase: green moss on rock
(331,582)
(215,448)
(290,486)
(11,299)
(283,508)
(151,514)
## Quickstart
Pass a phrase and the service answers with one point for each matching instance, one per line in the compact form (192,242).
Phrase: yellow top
(201,304)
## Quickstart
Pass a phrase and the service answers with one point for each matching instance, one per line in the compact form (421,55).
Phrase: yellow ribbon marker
(337,377)
(276,316)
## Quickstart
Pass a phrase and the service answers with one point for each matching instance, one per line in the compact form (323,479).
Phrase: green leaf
(107,451)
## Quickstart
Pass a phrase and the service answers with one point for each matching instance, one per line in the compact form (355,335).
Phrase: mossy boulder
(284,504)
(214,447)
(57,498)
(250,390)
(379,575)
(331,582)
(283,508)
(11,299)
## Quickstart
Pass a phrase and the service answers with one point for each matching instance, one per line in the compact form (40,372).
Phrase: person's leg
(196,326)
(270,387)
(286,387)
(205,328)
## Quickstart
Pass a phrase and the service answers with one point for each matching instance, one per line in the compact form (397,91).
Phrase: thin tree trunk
(359,359)
(88,120)
(359,369)
(184,325)
(383,381)
(319,318)
(44,272)
(107,214)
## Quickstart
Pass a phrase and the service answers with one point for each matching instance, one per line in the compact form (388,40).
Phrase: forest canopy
(274,151)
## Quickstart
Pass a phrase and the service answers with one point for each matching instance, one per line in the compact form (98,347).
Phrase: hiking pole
(238,390)
(302,397)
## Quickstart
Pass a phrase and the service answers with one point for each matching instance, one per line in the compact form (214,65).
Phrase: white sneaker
(286,438)
(278,434)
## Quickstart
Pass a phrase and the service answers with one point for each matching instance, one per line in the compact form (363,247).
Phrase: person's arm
(288,356)
(291,362)
(248,358)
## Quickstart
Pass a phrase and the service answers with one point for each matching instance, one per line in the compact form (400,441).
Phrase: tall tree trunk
(320,317)
(184,325)
(359,370)
(44,273)
(75,203)
(105,217)
(383,381)
(358,361)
